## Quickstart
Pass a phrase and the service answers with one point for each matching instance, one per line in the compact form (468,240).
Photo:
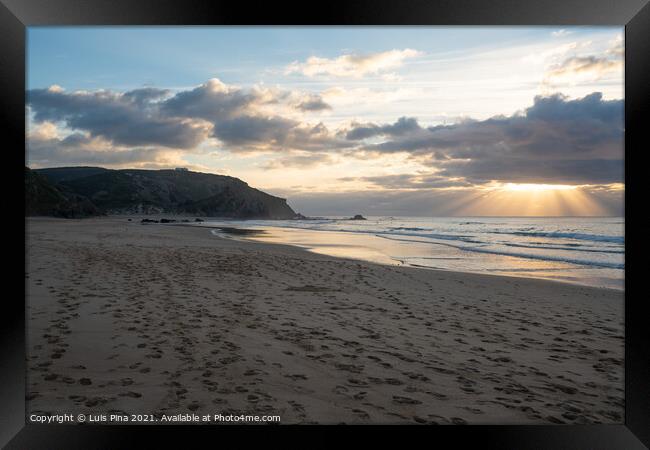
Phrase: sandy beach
(159,319)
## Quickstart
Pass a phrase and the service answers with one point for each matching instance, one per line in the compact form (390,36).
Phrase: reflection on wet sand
(422,254)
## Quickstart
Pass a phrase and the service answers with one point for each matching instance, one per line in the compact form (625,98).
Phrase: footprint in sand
(297,376)
(405,400)
(131,394)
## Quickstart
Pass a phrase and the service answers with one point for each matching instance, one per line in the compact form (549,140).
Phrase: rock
(299,216)
(167,221)
(198,220)
(357,217)
(148,221)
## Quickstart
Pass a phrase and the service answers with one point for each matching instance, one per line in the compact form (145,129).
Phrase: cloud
(556,140)
(287,100)
(560,33)
(376,202)
(211,101)
(241,121)
(143,96)
(583,68)
(300,160)
(151,117)
(313,103)
(554,52)
(275,134)
(243,130)
(617,47)
(46,150)
(402,126)
(591,66)
(126,119)
(352,65)
(410,181)
(48,147)
(523,170)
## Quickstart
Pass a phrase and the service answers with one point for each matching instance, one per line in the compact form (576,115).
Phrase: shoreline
(173,320)
(261,235)
(247,235)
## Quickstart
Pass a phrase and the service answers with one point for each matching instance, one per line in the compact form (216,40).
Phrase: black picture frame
(16,15)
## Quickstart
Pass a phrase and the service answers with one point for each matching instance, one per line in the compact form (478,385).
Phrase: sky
(415,121)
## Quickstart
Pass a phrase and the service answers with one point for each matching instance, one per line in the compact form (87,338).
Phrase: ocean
(588,251)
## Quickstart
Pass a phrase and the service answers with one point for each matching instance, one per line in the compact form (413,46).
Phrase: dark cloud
(275,133)
(316,138)
(254,129)
(411,181)
(300,161)
(516,170)
(591,108)
(402,126)
(212,101)
(375,202)
(127,119)
(153,117)
(238,120)
(143,96)
(555,140)
(78,149)
(313,103)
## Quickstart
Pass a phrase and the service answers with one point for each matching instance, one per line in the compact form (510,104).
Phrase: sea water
(589,251)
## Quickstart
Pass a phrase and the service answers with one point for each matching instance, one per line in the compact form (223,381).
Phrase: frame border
(17,15)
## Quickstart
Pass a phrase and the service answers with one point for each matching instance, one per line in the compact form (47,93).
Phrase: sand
(160,319)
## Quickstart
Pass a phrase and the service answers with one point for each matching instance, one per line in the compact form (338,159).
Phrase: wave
(582,262)
(566,247)
(565,235)
(445,237)
(529,232)
(473,240)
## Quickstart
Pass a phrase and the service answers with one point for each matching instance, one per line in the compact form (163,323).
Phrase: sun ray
(530,199)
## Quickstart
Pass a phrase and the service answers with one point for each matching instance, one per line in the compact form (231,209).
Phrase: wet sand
(154,319)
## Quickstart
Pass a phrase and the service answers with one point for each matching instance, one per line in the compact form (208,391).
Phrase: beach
(166,319)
